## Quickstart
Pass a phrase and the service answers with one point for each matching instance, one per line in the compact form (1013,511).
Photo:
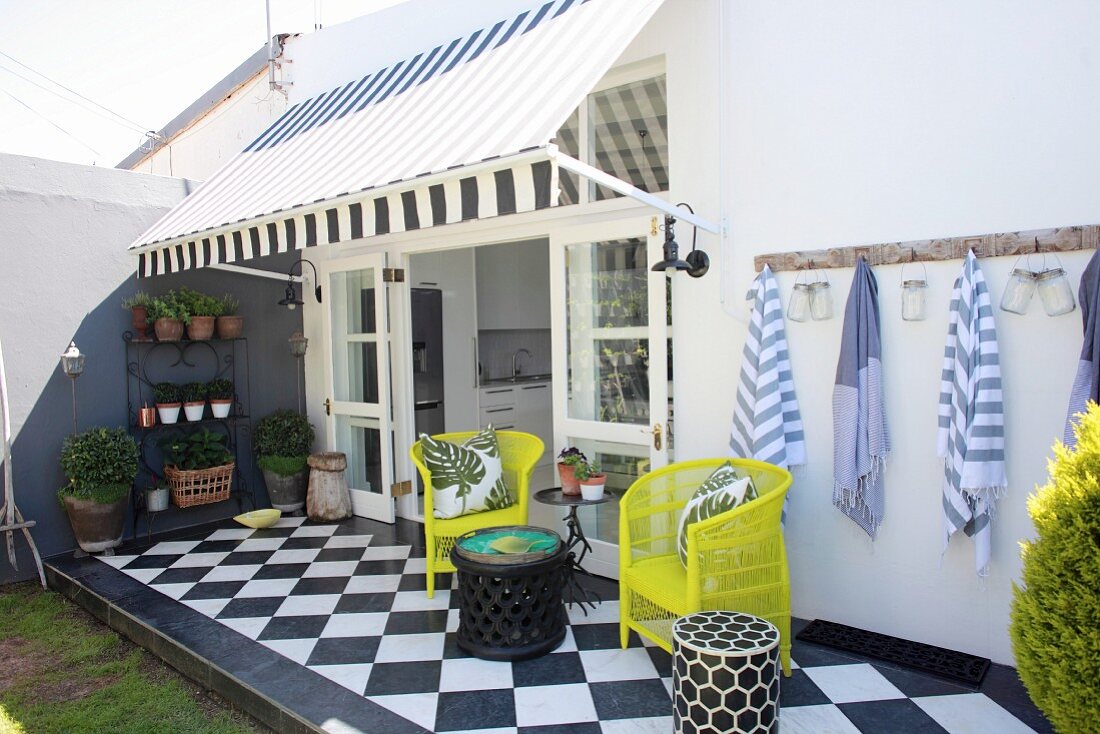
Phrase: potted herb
(167,398)
(156,496)
(567,461)
(220,394)
(282,442)
(194,400)
(203,310)
(230,325)
(168,317)
(198,466)
(101,464)
(138,304)
(591,478)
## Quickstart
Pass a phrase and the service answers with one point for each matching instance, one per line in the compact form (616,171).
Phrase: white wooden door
(358,405)
(611,337)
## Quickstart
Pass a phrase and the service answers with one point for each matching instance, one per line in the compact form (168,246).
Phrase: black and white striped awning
(461,131)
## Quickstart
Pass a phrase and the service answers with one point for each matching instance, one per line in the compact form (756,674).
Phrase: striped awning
(458,132)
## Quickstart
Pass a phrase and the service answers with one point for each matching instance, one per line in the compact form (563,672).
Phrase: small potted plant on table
(591,478)
(220,394)
(166,395)
(194,400)
(230,325)
(101,464)
(567,462)
(198,467)
(282,442)
(138,304)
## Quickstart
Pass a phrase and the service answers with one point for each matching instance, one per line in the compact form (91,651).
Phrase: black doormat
(956,666)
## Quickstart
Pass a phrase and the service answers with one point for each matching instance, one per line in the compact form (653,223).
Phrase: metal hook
(1036,246)
(912,254)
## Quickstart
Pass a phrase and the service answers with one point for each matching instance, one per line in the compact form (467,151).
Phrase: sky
(146,61)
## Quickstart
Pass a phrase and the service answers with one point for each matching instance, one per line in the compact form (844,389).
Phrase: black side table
(577,593)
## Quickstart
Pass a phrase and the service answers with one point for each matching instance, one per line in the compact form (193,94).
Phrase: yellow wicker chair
(736,560)
(519,453)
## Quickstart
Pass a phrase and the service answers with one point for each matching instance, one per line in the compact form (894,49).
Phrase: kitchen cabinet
(523,407)
(513,286)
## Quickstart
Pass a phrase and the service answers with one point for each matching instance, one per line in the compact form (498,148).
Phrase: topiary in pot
(282,442)
(194,400)
(1055,629)
(101,464)
(220,393)
(168,399)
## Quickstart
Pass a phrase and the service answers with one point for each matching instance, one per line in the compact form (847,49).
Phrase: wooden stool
(328,498)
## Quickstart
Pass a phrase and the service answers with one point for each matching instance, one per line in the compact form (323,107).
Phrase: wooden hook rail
(1060,239)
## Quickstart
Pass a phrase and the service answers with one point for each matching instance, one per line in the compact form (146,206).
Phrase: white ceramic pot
(221,408)
(156,500)
(194,411)
(592,491)
(168,412)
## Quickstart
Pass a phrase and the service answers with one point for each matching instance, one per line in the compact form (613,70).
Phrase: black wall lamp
(697,263)
(290,298)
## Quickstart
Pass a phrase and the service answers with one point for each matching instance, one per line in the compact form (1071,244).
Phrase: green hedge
(1056,613)
(282,433)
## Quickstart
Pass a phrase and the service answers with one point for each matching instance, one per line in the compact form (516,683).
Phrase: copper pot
(147,417)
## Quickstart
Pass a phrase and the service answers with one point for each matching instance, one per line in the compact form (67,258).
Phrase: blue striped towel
(767,424)
(971,435)
(861,440)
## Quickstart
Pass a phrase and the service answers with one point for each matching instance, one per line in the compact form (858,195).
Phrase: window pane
(628,135)
(622,463)
(355,351)
(358,438)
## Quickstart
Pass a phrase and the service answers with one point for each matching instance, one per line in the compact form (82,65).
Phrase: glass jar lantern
(914,295)
(821,300)
(798,309)
(1054,291)
(1020,289)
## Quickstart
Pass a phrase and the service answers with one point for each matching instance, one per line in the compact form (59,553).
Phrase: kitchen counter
(517,380)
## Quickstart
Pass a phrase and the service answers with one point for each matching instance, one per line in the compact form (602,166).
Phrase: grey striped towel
(767,424)
(861,440)
(1086,386)
(971,436)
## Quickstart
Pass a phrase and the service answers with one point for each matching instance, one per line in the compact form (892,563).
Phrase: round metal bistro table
(510,610)
(575,592)
(725,674)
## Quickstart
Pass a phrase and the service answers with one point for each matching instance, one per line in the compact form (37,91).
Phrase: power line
(59,95)
(73,91)
(50,121)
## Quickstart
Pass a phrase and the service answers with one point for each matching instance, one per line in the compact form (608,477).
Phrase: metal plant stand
(576,593)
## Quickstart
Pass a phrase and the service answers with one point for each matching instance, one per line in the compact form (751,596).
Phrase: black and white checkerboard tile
(350,606)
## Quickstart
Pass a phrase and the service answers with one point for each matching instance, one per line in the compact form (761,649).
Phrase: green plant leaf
(453,466)
(499,496)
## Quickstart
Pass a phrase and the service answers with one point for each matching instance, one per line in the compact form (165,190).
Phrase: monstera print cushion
(467,478)
(723,490)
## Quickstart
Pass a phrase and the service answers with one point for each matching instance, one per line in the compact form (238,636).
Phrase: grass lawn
(64,671)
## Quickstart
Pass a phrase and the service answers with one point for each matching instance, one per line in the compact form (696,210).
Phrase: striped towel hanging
(971,436)
(767,424)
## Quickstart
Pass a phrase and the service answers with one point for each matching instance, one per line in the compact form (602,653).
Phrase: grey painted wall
(63,271)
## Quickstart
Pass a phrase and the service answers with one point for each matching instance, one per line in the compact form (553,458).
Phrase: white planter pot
(194,411)
(169,413)
(592,491)
(221,408)
(156,500)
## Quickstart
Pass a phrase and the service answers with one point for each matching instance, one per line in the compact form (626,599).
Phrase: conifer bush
(1055,624)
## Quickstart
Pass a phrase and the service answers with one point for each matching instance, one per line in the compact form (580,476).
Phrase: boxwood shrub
(282,433)
(1054,628)
(101,464)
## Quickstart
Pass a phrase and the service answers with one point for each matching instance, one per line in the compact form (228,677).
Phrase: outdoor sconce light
(72,364)
(697,263)
(290,298)
(298,346)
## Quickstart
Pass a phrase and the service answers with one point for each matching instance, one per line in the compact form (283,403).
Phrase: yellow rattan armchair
(736,560)
(519,453)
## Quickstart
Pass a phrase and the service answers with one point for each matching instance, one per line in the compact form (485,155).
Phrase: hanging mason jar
(1020,288)
(1054,291)
(798,309)
(914,296)
(821,299)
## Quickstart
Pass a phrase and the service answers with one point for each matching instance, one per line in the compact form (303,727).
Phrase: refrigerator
(427,360)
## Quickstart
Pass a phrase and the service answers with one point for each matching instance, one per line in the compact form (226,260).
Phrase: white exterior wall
(211,141)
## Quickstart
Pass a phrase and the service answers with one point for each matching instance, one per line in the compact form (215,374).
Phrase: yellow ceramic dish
(259,518)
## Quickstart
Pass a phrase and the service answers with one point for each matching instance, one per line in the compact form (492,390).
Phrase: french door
(358,404)
(611,358)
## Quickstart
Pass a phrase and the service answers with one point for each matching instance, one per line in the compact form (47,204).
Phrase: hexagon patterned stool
(725,674)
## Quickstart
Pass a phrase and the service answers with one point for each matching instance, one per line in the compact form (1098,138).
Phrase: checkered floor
(350,605)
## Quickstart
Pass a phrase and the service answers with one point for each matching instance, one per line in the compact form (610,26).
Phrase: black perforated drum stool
(510,606)
(725,674)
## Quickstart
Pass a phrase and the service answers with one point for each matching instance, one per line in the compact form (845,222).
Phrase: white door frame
(377,505)
(604,559)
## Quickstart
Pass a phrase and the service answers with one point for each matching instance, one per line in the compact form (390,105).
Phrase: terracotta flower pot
(168,330)
(97,527)
(230,327)
(201,328)
(592,488)
(569,483)
(139,323)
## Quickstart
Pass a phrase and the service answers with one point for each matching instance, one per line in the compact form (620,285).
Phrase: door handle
(328,406)
(657,436)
